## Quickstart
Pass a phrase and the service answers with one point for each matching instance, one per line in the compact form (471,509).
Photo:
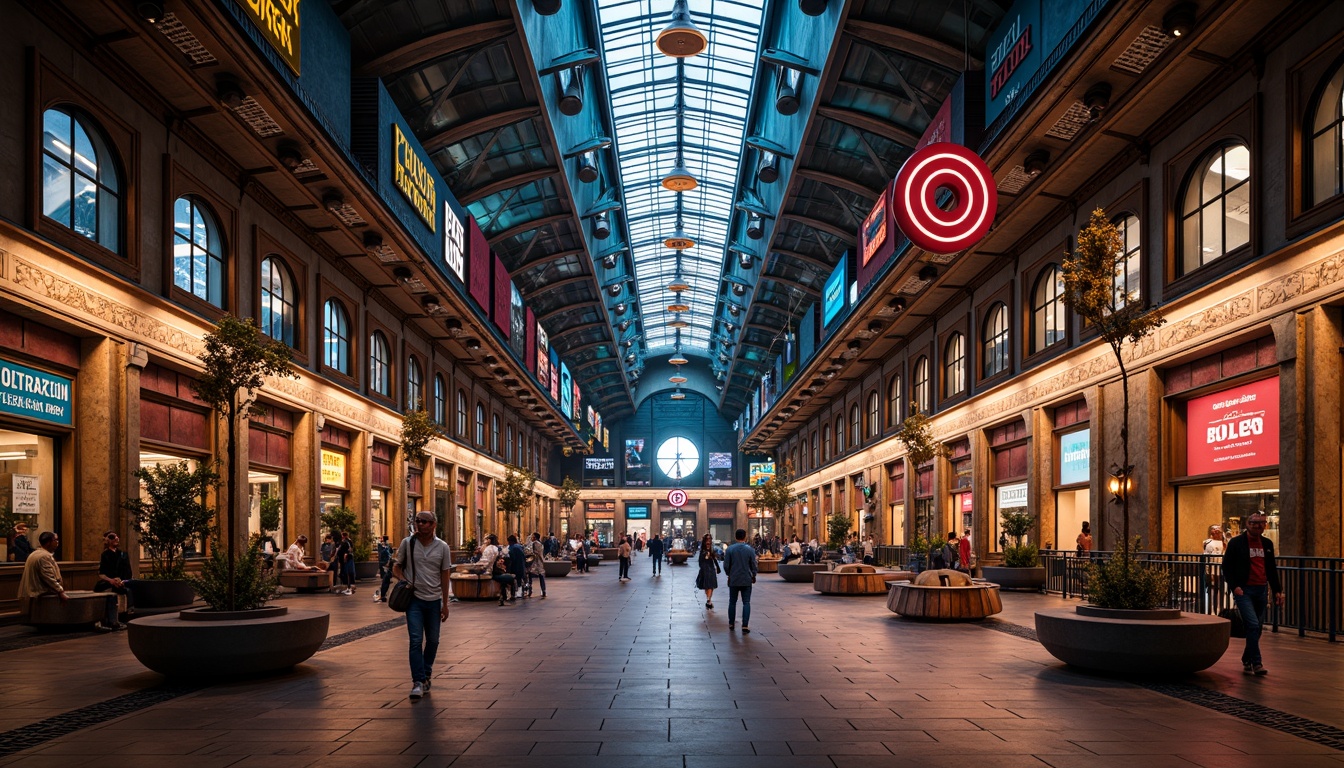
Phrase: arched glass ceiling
(643,87)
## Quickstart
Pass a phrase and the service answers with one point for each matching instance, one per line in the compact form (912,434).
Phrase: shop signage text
(1012,496)
(24,493)
(1234,429)
(1075,457)
(637,512)
(278,21)
(1009,55)
(875,229)
(333,468)
(599,464)
(454,242)
(34,394)
(412,177)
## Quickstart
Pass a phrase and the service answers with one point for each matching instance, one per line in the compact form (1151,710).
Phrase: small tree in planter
(569,496)
(170,513)
(920,448)
(237,360)
(514,492)
(1016,525)
(341,518)
(774,495)
(1090,292)
(837,528)
(418,430)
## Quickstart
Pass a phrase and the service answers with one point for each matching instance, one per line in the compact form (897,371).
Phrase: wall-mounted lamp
(768,170)
(746,260)
(1121,483)
(601,231)
(786,99)
(755,227)
(587,168)
(571,90)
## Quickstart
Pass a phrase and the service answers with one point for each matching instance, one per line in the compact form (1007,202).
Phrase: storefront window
(679,525)
(604,528)
(378,524)
(150,459)
(1227,505)
(264,486)
(1006,497)
(1073,497)
(898,524)
(28,481)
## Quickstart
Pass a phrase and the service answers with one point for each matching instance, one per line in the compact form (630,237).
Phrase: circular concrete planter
(678,556)
(595,560)
(1138,643)
(366,569)
(767,564)
(1015,578)
(557,568)
(800,573)
(157,594)
(203,643)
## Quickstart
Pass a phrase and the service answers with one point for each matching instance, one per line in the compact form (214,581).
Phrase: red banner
(1237,428)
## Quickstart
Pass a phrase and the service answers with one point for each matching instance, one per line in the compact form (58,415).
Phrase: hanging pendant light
(679,240)
(679,179)
(681,38)
(678,359)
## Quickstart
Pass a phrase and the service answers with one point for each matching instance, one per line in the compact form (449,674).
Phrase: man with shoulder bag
(424,561)
(1252,574)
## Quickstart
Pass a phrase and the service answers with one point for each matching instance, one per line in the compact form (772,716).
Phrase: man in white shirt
(426,559)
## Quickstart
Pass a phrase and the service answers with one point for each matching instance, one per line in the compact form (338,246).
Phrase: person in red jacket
(964,551)
(1251,573)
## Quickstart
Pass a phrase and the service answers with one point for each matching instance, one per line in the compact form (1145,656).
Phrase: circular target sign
(676,497)
(975,198)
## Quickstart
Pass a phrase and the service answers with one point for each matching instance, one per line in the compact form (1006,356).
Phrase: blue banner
(34,394)
(1075,457)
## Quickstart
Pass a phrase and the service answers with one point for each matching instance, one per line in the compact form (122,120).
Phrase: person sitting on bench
(295,554)
(42,576)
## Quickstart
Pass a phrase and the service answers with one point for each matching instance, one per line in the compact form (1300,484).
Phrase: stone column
(134,358)
(1041,475)
(305,480)
(100,478)
(1310,494)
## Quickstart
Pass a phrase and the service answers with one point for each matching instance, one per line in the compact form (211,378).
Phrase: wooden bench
(474,586)
(767,564)
(945,595)
(82,607)
(851,579)
(306,581)
(678,556)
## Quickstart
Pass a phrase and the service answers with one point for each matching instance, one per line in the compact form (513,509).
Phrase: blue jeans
(745,592)
(1252,603)
(657,562)
(422,624)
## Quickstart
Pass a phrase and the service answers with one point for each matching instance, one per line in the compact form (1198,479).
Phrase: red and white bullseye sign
(959,170)
(676,497)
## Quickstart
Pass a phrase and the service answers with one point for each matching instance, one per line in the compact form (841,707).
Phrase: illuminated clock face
(677,457)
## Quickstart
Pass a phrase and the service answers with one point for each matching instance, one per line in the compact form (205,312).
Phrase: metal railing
(1311,585)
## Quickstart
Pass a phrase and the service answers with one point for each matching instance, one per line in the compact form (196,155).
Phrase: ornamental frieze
(1301,281)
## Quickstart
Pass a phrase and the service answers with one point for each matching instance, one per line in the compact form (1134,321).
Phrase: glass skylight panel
(643,87)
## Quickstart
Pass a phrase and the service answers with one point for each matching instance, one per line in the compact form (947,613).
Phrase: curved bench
(799,573)
(767,564)
(474,586)
(557,568)
(82,607)
(306,581)
(678,556)
(851,579)
(945,595)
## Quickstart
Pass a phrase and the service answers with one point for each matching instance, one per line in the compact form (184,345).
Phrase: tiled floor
(641,674)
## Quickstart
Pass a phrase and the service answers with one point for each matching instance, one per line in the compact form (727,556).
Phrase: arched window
(826,443)
(480,425)
(279,301)
(494,434)
(1216,207)
(815,463)
(380,364)
(415,385)
(1047,309)
(80,189)
(793,459)
(920,395)
(461,414)
(839,435)
(1326,136)
(198,252)
(855,436)
(895,411)
(508,444)
(954,366)
(336,337)
(874,414)
(996,341)
(440,401)
(1125,286)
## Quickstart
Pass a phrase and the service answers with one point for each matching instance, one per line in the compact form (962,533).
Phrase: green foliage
(9,519)
(237,359)
(1089,285)
(1021,556)
(341,518)
(837,528)
(250,588)
(362,549)
(917,436)
(171,512)
(470,545)
(417,431)
(775,495)
(270,514)
(1122,582)
(569,494)
(1016,525)
(515,490)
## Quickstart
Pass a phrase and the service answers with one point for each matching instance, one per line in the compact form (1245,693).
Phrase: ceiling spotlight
(928,273)
(1097,100)
(333,201)
(587,168)
(745,260)
(755,227)
(811,7)
(630,358)
(1179,20)
(602,230)
(550,7)
(786,100)
(571,90)
(609,261)
(289,156)
(402,274)
(628,343)
(619,308)
(680,38)
(1036,162)
(229,92)
(739,289)
(490,360)
(768,170)
(734,310)
(431,305)
(473,343)
(453,326)
(614,289)
(893,307)
(624,325)
(149,10)
(679,240)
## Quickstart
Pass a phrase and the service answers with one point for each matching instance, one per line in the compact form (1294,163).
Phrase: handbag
(399,598)
(1233,615)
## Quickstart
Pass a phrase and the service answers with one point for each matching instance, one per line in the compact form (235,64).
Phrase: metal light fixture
(786,99)
(587,168)
(679,179)
(229,92)
(679,240)
(755,228)
(681,38)
(1035,162)
(677,322)
(768,171)
(1179,20)
(678,307)
(609,261)
(602,230)
(746,260)
(547,7)
(811,8)
(1097,100)
(571,90)
(614,289)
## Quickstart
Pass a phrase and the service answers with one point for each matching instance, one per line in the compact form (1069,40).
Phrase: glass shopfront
(150,459)
(28,482)
(1073,496)
(266,494)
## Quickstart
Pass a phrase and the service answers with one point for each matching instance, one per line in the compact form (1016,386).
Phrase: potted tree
(916,435)
(773,496)
(342,518)
(1123,629)
(569,496)
(1021,567)
(232,636)
(514,493)
(170,514)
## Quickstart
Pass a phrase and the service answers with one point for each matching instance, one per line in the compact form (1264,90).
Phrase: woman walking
(708,579)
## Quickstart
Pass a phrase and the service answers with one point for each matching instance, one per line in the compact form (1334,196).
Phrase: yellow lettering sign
(413,178)
(278,21)
(333,468)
